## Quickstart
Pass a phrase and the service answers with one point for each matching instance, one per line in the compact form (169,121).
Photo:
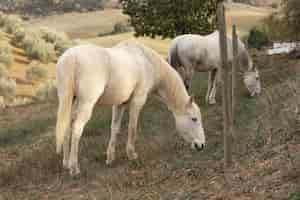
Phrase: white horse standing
(120,76)
(191,52)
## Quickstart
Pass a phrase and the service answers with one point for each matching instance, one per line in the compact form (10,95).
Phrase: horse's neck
(172,90)
(245,60)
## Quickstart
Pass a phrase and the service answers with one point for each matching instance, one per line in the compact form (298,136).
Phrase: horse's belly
(205,68)
(116,94)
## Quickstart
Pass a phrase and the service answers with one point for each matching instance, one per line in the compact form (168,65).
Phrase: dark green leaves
(169,18)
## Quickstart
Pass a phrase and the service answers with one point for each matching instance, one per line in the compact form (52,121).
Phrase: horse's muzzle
(198,147)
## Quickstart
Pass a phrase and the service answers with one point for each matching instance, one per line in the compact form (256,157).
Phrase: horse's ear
(191,100)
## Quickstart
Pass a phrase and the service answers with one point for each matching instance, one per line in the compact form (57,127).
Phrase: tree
(169,18)
(292,15)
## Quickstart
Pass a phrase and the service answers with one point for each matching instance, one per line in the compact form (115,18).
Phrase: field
(85,29)
(266,150)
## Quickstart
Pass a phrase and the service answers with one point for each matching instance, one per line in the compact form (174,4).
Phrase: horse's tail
(173,58)
(65,106)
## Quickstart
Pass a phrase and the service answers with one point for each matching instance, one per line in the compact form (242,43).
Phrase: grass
(24,132)
(165,160)
(3,71)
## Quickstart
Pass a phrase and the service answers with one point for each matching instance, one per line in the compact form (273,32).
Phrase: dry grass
(161,46)
(3,71)
(87,24)
(245,17)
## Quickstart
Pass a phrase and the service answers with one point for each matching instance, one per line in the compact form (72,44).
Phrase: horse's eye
(194,119)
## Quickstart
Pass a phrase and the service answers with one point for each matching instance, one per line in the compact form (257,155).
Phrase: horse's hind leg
(67,140)
(83,114)
(117,115)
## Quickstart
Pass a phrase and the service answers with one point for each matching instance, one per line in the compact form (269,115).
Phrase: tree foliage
(169,18)
(292,15)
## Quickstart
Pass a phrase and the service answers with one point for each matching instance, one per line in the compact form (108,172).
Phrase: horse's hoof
(110,159)
(74,171)
(65,164)
(212,102)
(132,155)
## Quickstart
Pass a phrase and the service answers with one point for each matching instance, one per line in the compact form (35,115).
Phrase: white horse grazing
(121,76)
(202,53)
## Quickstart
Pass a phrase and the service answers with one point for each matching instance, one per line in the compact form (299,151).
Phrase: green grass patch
(25,131)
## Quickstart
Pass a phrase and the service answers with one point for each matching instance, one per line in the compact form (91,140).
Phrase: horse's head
(251,75)
(189,125)
(252,81)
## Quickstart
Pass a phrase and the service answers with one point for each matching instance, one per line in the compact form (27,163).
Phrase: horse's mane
(169,79)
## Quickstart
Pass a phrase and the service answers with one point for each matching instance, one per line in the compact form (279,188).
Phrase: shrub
(36,48)
(8,88)
(12,23)
(6,56)
(60,40)
(294,196)
(62,45)
(121,27)
(2,18)
(47,91)
(3,71)
(274,5)
(19,35)
(51,35)
(36,72)
(257,39)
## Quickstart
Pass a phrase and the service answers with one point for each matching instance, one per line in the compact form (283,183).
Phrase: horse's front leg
(190,79)
(136,105)
(209,86)
(212,95)
(117,115)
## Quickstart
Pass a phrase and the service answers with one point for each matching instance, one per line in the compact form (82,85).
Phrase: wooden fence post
(233,76)
(225,92)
